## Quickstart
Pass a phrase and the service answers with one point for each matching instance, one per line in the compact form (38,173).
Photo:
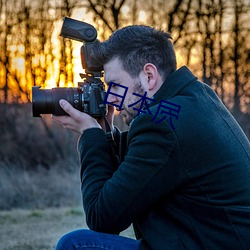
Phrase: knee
(69,240)
(64,242)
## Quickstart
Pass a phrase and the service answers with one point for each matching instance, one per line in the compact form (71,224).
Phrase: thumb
(66,106)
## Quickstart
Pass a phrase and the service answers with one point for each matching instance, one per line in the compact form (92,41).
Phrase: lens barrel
(46,101)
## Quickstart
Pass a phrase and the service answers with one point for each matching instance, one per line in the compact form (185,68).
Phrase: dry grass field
(23,229)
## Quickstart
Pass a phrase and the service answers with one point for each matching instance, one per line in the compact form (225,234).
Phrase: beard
(131,112)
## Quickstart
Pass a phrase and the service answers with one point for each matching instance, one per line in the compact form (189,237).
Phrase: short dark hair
(135,46)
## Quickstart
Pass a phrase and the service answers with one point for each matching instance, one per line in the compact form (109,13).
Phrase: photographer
(181,174)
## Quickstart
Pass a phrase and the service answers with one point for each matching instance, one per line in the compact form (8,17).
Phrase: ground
(40,229)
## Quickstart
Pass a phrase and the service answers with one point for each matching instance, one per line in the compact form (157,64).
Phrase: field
(40,229)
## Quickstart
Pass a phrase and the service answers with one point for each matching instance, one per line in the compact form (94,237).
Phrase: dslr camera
(90,94)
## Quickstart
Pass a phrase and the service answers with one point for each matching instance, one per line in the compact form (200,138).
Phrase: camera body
(90,94)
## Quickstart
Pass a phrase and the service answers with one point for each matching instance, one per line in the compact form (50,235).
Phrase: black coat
(184,182)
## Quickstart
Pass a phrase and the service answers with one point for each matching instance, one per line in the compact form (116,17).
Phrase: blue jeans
(87,239)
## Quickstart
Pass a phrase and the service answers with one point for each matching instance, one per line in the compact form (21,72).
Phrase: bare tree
(11,77)
(217,32)
(108,12)
(239,53)
(4,56)
(66,8)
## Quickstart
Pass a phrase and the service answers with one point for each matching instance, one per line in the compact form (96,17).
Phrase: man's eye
(113,85)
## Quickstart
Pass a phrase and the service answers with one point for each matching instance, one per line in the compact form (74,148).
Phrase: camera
(90,95)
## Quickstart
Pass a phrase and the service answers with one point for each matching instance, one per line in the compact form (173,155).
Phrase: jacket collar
(173,84)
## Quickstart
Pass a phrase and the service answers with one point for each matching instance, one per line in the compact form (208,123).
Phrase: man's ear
(152,75)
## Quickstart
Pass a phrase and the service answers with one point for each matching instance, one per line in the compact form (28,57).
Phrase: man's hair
(135,46)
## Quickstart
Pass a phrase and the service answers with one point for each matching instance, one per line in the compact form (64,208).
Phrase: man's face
(115,73)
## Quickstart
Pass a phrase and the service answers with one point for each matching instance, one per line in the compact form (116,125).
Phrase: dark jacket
(184,182)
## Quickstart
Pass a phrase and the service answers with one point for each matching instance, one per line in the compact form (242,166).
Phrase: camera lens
(46,101)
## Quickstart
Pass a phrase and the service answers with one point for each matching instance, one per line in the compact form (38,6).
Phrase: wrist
(89,125)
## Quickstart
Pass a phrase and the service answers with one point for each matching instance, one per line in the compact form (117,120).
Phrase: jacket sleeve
(114,198)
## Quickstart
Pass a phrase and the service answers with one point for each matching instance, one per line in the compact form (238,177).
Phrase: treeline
(211,37)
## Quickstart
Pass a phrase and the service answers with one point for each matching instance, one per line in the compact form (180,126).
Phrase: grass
(40,229)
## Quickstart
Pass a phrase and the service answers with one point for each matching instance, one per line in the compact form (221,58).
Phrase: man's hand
(76,121)
(79,121)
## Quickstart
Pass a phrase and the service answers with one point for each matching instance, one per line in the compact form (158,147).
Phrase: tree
(66,75)
(240,49)
(108,11)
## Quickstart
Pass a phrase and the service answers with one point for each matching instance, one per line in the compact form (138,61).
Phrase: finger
(57,119)
(61,119)
(68,108)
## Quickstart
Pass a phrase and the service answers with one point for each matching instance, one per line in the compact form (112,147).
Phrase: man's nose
(112,98)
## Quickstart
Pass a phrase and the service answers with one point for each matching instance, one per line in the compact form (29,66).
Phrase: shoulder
(144,132)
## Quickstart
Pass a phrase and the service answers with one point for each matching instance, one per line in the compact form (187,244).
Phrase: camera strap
(109,133)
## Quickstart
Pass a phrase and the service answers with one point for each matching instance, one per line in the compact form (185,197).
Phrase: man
(183,174)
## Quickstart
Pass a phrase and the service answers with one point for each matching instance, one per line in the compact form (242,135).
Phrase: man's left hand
(76,121)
